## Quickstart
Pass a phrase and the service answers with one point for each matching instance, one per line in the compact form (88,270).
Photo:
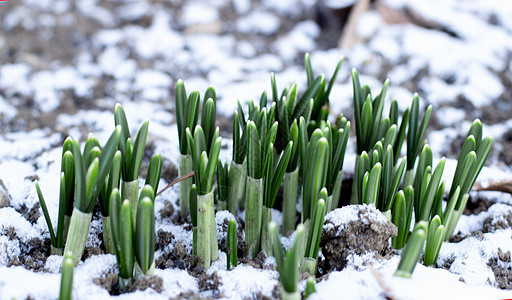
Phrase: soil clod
(144,282)
(167,211)
(358,237)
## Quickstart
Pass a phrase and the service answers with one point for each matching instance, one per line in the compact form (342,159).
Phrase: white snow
(258,22)
(195,12)
(235,283)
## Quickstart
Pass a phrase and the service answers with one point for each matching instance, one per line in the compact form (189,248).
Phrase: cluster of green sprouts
(412,185)
(289,143)
(108,175)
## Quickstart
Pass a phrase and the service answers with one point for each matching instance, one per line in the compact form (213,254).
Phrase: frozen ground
(64,64)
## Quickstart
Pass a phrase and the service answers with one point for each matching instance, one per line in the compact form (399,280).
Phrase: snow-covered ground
(64,65)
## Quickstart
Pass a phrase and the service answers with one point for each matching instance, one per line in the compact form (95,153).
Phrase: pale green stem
(387,214)
(214,253)
(335,196)
(289,296)
(130,191)
(290,196)
(237,175)
(304,244)
(67,220)
(77,234)
(194,240)
(204,236)
(107,235)
(266,242)
(243,186)
(55,251)
(454,218)
(185,166)
(309,265)
(253,212)
(139,273)
(124,283)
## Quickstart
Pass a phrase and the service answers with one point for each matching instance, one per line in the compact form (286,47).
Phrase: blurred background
(64,64)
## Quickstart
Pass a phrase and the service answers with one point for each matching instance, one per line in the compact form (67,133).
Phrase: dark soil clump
(257,262)
(181,259)
(503,275)
(33,253)
(167,211)
(188,296)
(447,264)
(32,214)
(210,283)
(358,237)
(477,206)
(164,238)
(491,224)
(144,282)
(108,282)
(169,170)
(90,251)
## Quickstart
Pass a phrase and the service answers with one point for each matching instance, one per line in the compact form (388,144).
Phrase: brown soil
(167,211)
(110,283)
(476,206)
(502,275)
(169,170)
(181,259)
(359,237)
(31,214)
(163,238)
(491,225)
(90,251)
(188,296)
(33,253)
(144,282)
(257,262)
(210,283)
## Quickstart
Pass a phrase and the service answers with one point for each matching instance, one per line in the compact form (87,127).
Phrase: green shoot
(145,238)
(315,233)
(122,235)
(320,109)
(415,136)
(287,263)
(222,189)
(132,151)
(472,158)
(367,114)
(66,199)
(402,215)
(412,251)
(316,150)
(232,245)
(237,174)
(89,184)
(435,238)
(66,281)
(204,167)
(310,287)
